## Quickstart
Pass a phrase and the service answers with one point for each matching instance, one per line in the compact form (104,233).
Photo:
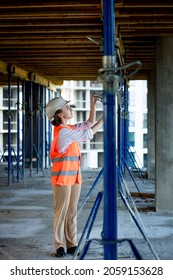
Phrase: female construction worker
(66,177)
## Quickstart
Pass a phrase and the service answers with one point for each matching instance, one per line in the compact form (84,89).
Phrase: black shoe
(71,250)
(60,252)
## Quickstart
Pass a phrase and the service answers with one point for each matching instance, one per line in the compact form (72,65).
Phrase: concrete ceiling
(62,40)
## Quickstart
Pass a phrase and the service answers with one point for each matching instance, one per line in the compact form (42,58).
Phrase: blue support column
(120,137)
(31,128)
(49,129)
(42,135)
(38,124)
(110,188)
(126,121)
(18,129)
(45,129)
(9,128)
(23,129)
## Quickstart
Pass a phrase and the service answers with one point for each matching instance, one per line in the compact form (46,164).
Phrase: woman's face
(67,112)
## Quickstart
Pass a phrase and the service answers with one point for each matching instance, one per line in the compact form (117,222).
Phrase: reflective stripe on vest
(66,158)
(65,173)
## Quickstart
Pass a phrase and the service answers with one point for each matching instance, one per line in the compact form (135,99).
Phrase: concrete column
(151,103)
(164,125)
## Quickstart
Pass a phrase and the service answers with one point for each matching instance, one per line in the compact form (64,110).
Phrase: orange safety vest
(65,166)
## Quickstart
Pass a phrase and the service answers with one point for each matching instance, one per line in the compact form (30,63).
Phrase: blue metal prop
(131,156)
(89,224)
(9,128)
(31,128)
(18,130)
(110,188)
(23,129)
(45,132)
(38,124)
(131,175)
(126,119)
(49,130)
(115,243)
(90,190)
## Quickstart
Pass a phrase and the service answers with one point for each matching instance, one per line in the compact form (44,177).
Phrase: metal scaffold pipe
(18,129)
(49,129)
(110,188)
(23,128)
(45,132)
(31,128)
(38,124)
(126,119)
(9,128)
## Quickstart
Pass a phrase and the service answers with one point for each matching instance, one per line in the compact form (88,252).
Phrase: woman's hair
(57,120)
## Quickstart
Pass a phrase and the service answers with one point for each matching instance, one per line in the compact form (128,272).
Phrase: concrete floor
(26,220)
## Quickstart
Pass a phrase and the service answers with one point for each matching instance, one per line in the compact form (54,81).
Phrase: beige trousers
(65,215)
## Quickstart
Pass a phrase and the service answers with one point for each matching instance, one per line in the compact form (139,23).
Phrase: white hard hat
(54,105)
